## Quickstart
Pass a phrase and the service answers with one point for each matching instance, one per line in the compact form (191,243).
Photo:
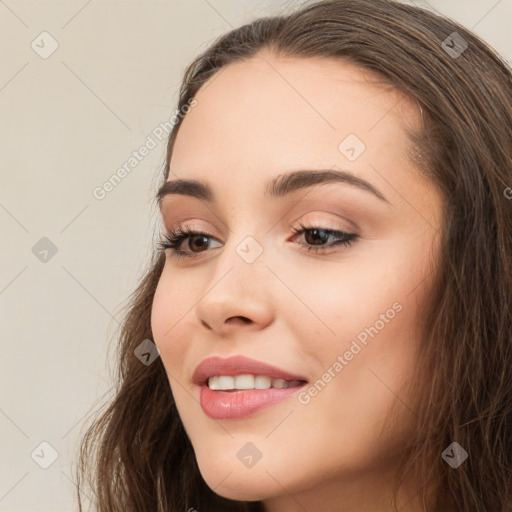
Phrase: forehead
(257,117)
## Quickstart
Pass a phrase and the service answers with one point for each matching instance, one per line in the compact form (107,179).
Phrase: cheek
(338,300)
(370,316)
(170,312)
(350,396)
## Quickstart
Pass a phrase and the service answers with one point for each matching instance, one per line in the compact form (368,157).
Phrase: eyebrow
(278,187)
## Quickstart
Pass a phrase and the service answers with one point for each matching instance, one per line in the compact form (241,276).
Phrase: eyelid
(329,223)
(190,224)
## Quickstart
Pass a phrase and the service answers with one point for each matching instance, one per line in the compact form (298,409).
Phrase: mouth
(237,387)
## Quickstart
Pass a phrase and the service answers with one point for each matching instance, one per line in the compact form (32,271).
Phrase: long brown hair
(136,456)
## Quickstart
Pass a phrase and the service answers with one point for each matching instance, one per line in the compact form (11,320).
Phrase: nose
(237,296)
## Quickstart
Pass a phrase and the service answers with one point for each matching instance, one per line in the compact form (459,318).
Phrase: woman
(332,302)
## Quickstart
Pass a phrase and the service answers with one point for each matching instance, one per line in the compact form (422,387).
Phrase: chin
(242,484)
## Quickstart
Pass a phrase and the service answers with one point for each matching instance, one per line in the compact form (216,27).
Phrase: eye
(316,240)
(318,237)
(175,238)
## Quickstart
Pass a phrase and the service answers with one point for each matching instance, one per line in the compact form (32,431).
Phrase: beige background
(68,122)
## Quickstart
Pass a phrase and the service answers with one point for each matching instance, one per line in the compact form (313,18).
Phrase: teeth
(213,383)
(226,382)
(244,382)
(279,383)
(262,382)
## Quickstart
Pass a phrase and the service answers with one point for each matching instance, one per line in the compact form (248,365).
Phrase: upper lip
(238,365)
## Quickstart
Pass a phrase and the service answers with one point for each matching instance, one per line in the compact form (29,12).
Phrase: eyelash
(174,239)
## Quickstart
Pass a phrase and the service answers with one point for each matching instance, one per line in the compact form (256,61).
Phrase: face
(324,280)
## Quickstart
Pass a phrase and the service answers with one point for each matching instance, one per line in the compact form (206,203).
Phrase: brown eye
(197,242)
(316,238)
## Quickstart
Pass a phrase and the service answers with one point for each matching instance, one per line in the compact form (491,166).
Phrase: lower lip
(225,405)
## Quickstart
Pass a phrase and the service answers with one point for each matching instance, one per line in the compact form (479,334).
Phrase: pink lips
(241,403)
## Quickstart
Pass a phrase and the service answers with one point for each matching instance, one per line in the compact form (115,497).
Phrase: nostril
(206,325)
(239,319)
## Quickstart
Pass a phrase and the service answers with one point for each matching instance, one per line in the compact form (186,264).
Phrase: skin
(254,121)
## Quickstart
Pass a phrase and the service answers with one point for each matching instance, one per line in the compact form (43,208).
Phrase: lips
(238,404)
(239,365)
